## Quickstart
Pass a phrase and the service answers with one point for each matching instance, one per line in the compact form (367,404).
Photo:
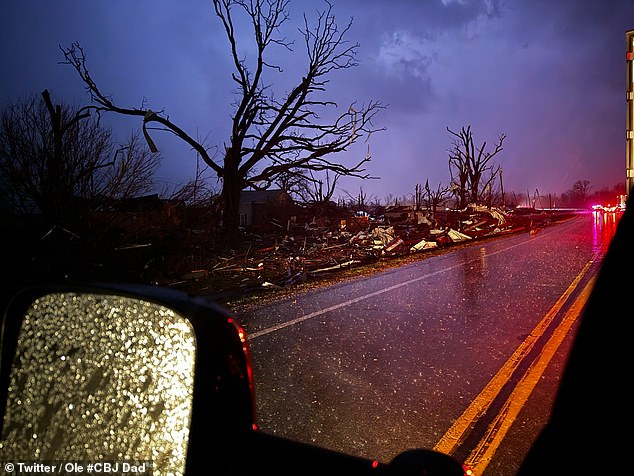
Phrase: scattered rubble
(314,246)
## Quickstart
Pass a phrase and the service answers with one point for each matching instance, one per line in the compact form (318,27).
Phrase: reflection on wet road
(604,227)
(378,365)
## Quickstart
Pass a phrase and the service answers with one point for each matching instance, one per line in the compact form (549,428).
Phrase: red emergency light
(630,56)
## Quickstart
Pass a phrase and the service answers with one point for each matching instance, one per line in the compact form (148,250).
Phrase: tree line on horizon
(54,157)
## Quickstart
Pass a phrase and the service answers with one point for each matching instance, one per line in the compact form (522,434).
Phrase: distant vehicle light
(607,208)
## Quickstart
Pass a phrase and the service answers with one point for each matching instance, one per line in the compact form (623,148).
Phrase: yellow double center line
(482,454)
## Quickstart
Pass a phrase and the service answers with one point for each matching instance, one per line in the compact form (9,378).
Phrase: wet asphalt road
(388,362)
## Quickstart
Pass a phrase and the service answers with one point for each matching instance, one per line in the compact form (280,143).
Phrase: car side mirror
(101,375)
(150,378)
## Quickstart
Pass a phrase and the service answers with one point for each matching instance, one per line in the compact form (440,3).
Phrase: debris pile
(315,246)
(169,243)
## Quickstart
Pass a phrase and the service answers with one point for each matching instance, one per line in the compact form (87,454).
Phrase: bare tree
(435,198)
(129,174)
(317,189)
(419,197)
(196,192)
(502,196)
(578,195)
(46,154)
(290,183)
(581,189)
(468,165)
(358,202)
(270,134)
(53,154)
(391,200)
(459,173)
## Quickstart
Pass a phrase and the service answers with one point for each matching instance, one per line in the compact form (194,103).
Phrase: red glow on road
(604,227)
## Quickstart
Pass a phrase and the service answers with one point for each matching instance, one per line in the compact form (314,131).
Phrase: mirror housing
(152,374)
(117,354)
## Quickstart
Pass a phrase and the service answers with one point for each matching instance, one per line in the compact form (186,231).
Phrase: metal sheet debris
(314,246)
(424,245)
(456,236)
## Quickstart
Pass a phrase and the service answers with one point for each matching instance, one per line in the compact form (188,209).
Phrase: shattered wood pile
(308,250)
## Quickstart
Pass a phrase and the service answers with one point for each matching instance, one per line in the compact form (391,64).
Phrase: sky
(549,75)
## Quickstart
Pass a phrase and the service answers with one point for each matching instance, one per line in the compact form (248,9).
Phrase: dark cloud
(547,73)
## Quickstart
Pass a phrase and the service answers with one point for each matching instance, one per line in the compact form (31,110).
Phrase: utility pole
(629,120)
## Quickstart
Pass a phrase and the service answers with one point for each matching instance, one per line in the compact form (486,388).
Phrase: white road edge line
(305,317)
